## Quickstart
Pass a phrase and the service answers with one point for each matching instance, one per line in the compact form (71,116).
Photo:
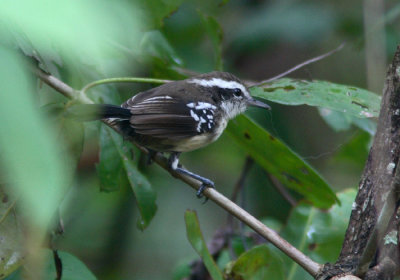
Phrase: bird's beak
(257,103)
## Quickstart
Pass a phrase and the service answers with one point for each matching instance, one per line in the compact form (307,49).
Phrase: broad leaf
(347,99)
(110,168)
(32,155)
(278,160)
(195,238)
(144,194)
(258,263)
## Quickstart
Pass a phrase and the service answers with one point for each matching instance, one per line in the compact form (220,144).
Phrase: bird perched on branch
(179,116)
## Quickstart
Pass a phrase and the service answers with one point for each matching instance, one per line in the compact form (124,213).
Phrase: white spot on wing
(194,116)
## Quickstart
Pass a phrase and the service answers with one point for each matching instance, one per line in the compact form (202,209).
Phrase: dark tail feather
(91,112)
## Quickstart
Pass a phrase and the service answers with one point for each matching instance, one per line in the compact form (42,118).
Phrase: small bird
(181,116)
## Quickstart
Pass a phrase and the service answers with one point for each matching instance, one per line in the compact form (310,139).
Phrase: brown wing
(170,118)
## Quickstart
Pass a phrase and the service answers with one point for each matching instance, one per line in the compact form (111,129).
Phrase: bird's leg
(173,162)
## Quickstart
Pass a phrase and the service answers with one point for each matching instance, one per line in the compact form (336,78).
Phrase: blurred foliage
(49,161)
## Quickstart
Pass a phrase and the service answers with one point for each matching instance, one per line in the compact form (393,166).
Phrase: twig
(240,182)
(282,190)
(7,211)
(307,62)
(238,187)
(122,80)
(304,261)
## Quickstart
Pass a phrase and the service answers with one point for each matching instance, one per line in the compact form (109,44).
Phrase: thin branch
(240,182)
(7,211)
(269,234)
(123,80)
(238,187)
(282,190)
(307,62)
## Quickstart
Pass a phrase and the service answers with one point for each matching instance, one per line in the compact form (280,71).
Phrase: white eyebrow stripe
(216,82)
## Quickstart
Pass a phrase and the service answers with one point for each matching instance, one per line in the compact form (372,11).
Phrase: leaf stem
(123,80)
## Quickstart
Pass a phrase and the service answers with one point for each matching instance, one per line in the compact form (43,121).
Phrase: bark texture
(370,249)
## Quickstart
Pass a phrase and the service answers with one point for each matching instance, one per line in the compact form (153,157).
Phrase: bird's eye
(237,92)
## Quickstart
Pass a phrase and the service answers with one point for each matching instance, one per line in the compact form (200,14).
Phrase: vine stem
(122,80)
(309,265)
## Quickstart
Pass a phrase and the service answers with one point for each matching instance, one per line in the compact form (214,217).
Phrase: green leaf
(195,238)
(72,268)
(318,234)
(155,45)
(341,121)
(278,160)
(258,263)
(215,33)
(155,50)
(157,10)
(354,151)
(144,194)
(11,236)
(110,168)
(32,156)
(57,31)
(347,99)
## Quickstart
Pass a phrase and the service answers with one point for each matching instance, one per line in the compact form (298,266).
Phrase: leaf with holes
(347,99)
(278,160)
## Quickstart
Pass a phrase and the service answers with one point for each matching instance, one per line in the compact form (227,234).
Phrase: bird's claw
(203,186)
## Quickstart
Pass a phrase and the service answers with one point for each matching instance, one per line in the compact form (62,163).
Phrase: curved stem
(123,80)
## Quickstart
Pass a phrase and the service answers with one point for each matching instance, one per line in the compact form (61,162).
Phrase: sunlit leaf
(32,157)
(278,160)
(72,33)
(196,239)
(144,194)
(258,263)
(347,99)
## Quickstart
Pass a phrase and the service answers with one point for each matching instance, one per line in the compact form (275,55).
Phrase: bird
(180,116)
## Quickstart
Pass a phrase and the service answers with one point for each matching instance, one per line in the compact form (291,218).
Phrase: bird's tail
(91,112)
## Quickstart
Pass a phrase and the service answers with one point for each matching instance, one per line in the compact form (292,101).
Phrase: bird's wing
(171,116)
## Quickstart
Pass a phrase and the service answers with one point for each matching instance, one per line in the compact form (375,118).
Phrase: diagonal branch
(308,264)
